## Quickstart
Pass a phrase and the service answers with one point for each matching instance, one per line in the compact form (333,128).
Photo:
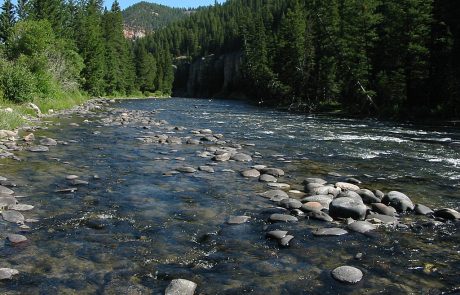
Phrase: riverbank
(13,116)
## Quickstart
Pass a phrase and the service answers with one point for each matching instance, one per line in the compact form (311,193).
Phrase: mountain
(144,17)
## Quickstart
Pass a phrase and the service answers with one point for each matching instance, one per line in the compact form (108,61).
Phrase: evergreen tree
(51,10)
(7,20)
(117,55)
(22,9)
(90,43)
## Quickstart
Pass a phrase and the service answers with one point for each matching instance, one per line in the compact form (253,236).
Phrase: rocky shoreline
(341,203)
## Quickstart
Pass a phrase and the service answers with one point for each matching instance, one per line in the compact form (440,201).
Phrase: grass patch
(63,102)
(10,121)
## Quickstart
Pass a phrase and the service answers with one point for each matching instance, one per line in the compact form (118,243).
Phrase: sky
(172,3)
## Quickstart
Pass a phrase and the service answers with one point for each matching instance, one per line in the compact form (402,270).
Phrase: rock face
(209,76)
(181,287)
(347,274)
(399,201)
(347,207)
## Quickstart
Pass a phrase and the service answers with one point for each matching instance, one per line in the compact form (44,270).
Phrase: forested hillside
(150,16)
(385,57)
(51,50)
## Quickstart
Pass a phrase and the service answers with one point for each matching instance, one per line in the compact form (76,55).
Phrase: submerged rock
(206,168)
(319,181)
(181,287)
(186,169)
(347,274)
(16,239)
(282,218)
(38,149)
(332,231)
(361,226)
(238,219)
(275,195)
(48,142)
(273,171)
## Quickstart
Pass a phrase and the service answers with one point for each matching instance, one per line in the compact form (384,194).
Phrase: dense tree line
(53,48)
(391,57)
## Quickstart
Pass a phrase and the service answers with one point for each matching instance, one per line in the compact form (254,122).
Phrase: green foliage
(7,20)
(17,83)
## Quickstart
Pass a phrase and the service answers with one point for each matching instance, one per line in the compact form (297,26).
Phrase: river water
(132,230)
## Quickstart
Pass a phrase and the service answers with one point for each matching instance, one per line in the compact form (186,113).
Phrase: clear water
(134,230)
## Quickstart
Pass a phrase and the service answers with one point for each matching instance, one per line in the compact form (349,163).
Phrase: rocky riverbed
(116,199)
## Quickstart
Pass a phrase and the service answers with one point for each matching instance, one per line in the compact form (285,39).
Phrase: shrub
(17,83)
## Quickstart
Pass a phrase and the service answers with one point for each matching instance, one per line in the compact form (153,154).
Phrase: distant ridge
(144,17)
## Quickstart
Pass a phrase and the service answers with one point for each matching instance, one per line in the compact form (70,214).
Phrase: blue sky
(172,3)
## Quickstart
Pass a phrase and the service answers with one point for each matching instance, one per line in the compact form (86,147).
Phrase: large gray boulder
(347,208)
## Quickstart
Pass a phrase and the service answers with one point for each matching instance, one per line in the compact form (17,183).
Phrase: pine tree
(117,55)
(51,10)
(22,9)
(291,51)
(90,43)
(7,20)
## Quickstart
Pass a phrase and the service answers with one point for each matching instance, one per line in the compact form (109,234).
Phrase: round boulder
(447,213)
(347,186)
(347,274)
(267,178)
(251,173)
(422,210)
(399,201)
(347,207)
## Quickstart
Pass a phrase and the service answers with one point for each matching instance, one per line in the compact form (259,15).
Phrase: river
(132,229)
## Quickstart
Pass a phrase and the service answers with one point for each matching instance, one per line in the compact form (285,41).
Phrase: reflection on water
(133,230)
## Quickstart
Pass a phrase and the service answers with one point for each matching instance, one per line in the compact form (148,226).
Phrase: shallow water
(133,230)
